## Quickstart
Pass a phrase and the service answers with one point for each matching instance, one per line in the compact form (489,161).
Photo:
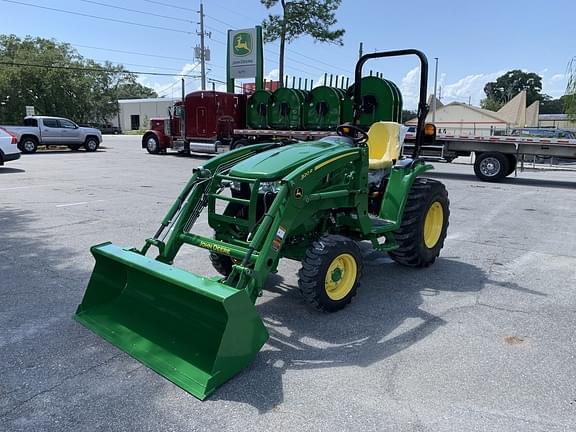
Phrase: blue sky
(474,41)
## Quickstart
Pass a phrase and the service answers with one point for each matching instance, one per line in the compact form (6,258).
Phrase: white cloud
(273,75)
(410,88)
(188,68)
(470,87)
(554,86)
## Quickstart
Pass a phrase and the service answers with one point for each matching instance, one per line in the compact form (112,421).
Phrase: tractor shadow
(369,330)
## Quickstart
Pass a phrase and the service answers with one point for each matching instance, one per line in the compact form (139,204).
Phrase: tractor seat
(383,145)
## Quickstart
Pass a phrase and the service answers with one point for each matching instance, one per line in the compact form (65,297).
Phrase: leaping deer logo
(242,44)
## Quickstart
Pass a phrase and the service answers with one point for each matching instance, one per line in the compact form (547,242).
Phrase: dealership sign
(242,54)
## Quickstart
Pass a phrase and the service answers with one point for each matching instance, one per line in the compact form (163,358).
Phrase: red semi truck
(209,120)
(203,123)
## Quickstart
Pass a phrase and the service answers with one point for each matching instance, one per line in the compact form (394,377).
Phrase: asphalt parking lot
(483,340)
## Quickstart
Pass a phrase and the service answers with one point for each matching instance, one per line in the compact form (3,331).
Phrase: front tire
(330,273)
(221,263)
(424,224)
(152,145)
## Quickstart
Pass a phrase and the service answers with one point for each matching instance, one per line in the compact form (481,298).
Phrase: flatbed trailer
(496,157)
(244,137)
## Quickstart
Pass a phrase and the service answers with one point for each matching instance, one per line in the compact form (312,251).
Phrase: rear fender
(401,180)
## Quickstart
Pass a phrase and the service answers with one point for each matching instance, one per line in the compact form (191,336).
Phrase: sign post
(245,57)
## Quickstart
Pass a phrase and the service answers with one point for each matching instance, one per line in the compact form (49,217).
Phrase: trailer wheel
(491,166)
(512,162)
(152,144)
(28,145)
(424,224)
(330,273)
(239,144)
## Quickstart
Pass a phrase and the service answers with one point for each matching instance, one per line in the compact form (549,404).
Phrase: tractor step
(380,226)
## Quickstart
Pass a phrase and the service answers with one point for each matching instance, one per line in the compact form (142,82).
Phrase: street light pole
(435,90)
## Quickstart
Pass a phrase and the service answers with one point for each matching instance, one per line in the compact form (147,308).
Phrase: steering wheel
(358,135)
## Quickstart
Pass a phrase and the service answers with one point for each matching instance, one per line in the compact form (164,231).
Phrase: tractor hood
(276,163)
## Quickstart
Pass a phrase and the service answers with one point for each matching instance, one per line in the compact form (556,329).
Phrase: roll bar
(422,105)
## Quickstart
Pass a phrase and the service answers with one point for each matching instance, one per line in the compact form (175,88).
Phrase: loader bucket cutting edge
(196,332)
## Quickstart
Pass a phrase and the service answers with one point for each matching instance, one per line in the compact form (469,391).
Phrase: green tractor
(310,201)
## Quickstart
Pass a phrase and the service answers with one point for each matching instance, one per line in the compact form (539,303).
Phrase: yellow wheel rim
(341,276)
(433,225)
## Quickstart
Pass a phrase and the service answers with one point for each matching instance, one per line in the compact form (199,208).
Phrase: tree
(301,17)
(134,90)
(491,104)
(507,86)
(408,115)
(553,106)
(69,86)
(570,97)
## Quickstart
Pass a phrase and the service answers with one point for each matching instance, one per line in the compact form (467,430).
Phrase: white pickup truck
(47,131)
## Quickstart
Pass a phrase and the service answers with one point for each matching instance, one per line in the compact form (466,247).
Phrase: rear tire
(239,144)
(91,144)
(28,145)
(491,166)
(424,224)
(330,273)
(512,162)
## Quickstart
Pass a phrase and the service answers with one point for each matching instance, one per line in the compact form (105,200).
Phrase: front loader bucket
(194,331)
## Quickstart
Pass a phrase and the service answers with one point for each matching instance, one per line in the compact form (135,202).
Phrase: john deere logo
(242,44)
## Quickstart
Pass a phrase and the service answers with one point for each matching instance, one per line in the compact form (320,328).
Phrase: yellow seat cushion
(383,145)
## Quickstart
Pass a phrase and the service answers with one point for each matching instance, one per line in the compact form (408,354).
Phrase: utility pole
(202,53)
(435,90)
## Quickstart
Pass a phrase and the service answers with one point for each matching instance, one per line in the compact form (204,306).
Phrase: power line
(149,26)
(135,64)
(136,11)
(131,52)
(169,5)
(88,69)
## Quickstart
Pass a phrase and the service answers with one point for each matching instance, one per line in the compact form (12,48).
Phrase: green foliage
(301,17)
(408,115)
(570,97)
(86,95)
(510,84)
(553,106)
(491,104)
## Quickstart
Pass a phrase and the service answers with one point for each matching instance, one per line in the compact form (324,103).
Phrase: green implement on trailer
(312,202)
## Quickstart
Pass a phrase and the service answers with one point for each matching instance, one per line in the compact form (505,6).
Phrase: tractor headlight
(266,187)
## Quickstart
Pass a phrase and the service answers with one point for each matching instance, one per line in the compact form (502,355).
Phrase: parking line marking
(73,204)
(79,203)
